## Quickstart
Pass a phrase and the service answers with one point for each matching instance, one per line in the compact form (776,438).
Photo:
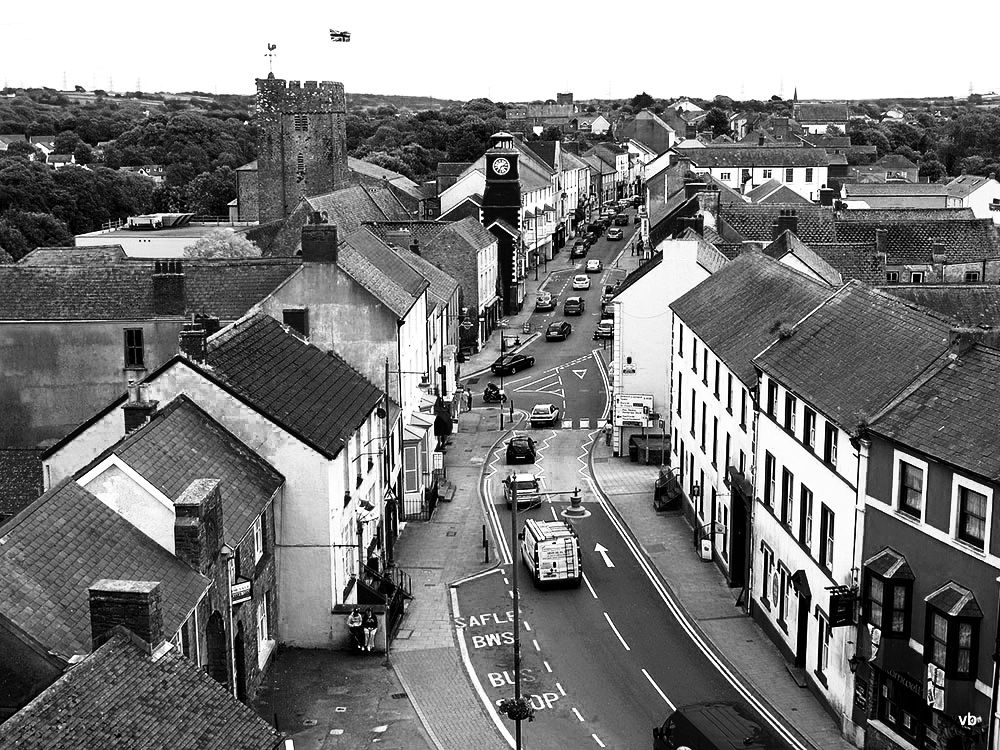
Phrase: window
(680,390)
(725,531)
(135,357)
(972,514)
(694,355)
(916,277)
(952,642)
(783,582)
(258,539)
(693,415)
(725,176)
(680,340)
(806,517)
(772,398)
(911,489)
(787,497)
(716,380)
(971,277)
(300,123)
(263,631)
(826,519)
(300,168)
(743,462)
(809,428)
(411,469)
(729,448)
(830,445)
(809,174)
(767,570)
(715,441)
(704,425)
(892,277)
(822,643)
(297,319)
(886,605)
(701,489)
(729,393)
(789,174)
(743,409)
(769,472)
(704,365)
(791,406)
(766,174)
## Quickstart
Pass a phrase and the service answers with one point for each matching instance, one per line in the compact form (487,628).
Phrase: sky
(513,51)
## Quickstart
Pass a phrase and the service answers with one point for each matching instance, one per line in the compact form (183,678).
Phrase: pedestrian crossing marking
(567,424)
(584,424)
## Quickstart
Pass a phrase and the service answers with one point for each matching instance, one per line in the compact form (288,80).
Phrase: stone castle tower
(301,143)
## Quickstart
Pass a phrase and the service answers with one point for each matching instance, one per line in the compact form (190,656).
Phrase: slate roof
(853,261)
(965,240)
(896,161)
(45,583)
(348,207)
(971,304)
(738,310)
(182,443)
(904,214)
(952,415)
(773,191)
(808,112)
(313,394)
(74,256)
(789,244)
(371,263)
(440,286)
(121,697)
(862,189)
(20,478)
(962,186)
(374,170)
(729,156)
(752,221)
(856,352)
(472,232)
(124,290)
(544,150)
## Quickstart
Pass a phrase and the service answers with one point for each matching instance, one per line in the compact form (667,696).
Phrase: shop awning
(889,563)
(955,601)
(417,425)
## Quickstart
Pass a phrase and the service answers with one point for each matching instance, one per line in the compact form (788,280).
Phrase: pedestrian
(370,621)
(512,410)
(469,396)
(355,624)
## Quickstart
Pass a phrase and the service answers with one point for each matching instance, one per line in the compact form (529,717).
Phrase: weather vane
(340,36)
(270,56)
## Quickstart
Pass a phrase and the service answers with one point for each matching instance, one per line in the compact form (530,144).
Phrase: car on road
(596,228)
(544,414)
(573,306)
(579,250)
(621,220)
(558,331)
(581,281)
(624,203)
(716,725)
(545,301)
(615,234)
(511,363)
(521,450)
(594,265)
(529,490)
(605,330)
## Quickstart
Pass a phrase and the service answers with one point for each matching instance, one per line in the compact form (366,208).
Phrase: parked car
(605,330)
(591,238)
(579,250)
(621,220)
(521,449)
(573,306)
(544,414)
(596,227)
(594,265)
(615,234)
(624,203)
(545,301)
(558,331)
(511,363)
(581,281)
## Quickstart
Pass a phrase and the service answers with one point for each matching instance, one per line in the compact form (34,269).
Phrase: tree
(222,243)
(210,192)
(640,101)
(23,231)
(717,120)
(932,170)
(66,142)
(833,130)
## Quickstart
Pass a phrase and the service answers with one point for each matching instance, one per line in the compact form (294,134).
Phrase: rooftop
(730,156)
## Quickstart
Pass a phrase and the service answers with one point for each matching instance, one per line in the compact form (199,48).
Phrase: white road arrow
(603,552)
(580,373)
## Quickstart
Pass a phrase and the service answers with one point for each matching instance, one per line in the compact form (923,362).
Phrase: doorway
(239,654)
(801,584)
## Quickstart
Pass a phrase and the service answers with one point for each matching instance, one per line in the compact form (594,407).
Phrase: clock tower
(502,201)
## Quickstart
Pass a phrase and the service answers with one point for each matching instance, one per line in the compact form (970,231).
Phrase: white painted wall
(732,177)
(143,507)
(469,184)
(981,199)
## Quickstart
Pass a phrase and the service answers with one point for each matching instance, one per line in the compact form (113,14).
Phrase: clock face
(501,166)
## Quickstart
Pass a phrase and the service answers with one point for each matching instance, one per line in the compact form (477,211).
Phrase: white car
(594,266)
(544,414)
(581,281)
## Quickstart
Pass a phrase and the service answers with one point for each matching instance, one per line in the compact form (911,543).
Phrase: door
(239,654)
(802,630)
(739,555)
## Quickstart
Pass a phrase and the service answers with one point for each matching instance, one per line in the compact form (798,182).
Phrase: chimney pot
(134,605)
(198,524)
(193,341)
(139,411)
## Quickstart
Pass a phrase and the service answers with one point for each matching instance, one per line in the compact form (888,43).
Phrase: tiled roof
(789,244)
(853,261)
(965,241)
(544,150)
(729,156)
(311,393)
(970,304)
(74,256)
(817,112)
(904,214)
(124,290)
(373,265)
(773,191)
(753,221)
(473,232)
(738,310)
(440,286)
(423,231)
(348,207)
(45,583)
(875,343)
(182,443)
(953,414)
(962,186)
(861,189)
(121,697)
(896,161)
(374,170)
(20,478)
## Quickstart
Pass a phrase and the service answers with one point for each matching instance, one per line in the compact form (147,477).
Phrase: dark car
(558,331)
(521,449)
(579,250)
(597,227)
(621,220)
(573,306)
(511,363)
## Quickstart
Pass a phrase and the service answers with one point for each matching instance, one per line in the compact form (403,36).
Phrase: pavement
(420,695)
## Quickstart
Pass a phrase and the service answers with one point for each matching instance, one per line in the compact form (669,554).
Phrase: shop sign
(242,591)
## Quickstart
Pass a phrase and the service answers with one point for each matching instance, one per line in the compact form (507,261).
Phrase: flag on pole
(340,36)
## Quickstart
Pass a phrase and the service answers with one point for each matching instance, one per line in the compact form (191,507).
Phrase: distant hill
(411,103)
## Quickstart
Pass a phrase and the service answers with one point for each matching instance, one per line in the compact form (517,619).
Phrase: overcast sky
(507,51)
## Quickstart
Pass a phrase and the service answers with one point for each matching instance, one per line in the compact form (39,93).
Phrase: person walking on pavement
(370,621)
(355,624)
(470,399)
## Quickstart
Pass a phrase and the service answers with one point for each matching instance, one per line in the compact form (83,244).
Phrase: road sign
(632,410)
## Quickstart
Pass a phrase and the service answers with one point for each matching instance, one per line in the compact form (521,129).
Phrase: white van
(551,551)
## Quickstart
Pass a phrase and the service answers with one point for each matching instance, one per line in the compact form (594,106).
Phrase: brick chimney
(193,341)
(415,246)
(138,409)
(198,524)
(168,287)
(882,242)
(135,605)
(826,196)
(319,243)
(938,252)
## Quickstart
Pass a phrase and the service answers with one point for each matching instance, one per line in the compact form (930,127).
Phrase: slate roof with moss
(44,590)
(971,304)
(951,415)
(754,221)
(738,157)
(74,256)
(367,260)
(122,697)
(350,206)
(964,240)
(855,352)
(738,310)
